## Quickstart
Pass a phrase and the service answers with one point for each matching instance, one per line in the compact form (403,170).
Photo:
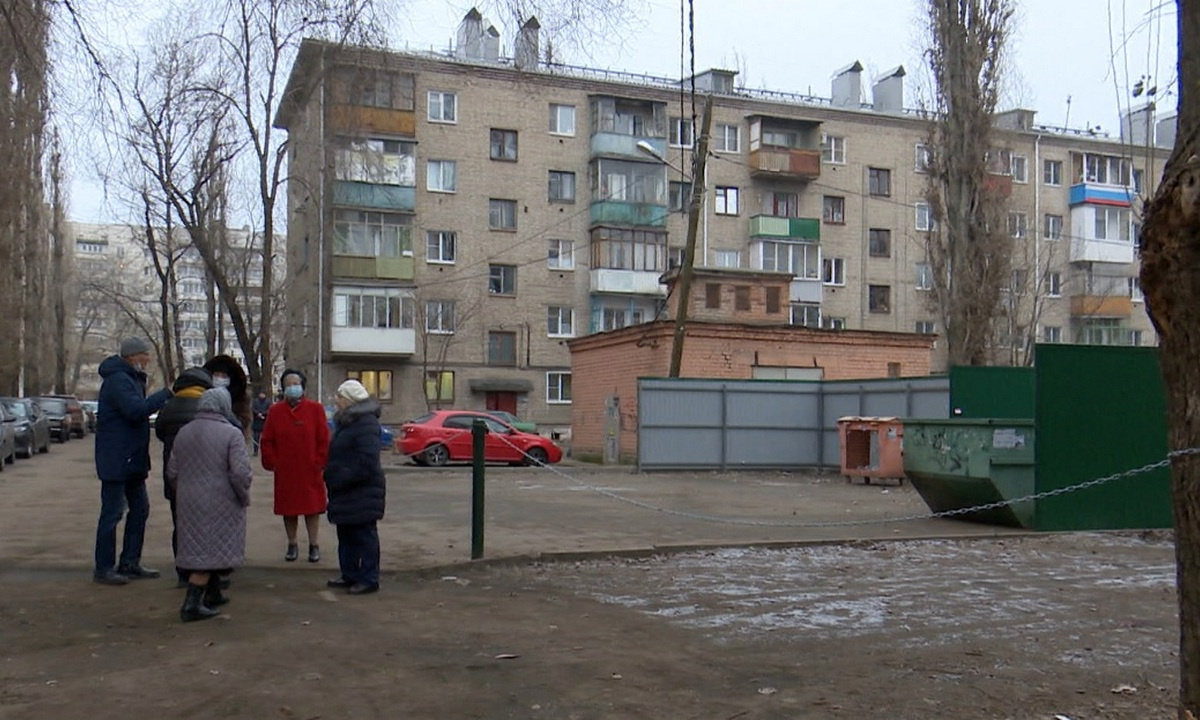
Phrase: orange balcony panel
(795,164)
(1101,306)
(1001,185)
(359,119)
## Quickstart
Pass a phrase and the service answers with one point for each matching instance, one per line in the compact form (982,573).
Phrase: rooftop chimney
(847,86)
(888,91)
(1135,125)
(470,34)
(525,51)
(1018,119)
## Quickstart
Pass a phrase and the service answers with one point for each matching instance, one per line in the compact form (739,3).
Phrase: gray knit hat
(133,346)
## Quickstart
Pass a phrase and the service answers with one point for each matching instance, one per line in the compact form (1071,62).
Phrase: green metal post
(478,430)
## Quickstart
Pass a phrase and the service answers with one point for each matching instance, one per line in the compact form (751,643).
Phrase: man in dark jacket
(262,404)
(178,412)
(357,488)
(123,461)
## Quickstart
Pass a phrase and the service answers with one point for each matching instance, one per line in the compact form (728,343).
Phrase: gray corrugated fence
(697,424)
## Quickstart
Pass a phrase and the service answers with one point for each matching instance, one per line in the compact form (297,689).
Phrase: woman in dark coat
(357,491)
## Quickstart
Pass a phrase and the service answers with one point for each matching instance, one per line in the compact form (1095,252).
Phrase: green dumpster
(965,462)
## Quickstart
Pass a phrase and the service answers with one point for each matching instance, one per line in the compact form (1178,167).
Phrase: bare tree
(969,247)
(441,323)
(1170,276)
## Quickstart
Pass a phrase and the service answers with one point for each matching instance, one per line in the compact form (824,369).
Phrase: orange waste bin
(872,448)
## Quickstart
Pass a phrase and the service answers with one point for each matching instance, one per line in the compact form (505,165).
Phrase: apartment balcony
(769,226)
(1094,194)
(607,144)
(1101,306)
(375,197)
(394,342)
(1102,251)
(627,282)
(806,291)
(771,163)
(614,212)
(390,268)
(357,119)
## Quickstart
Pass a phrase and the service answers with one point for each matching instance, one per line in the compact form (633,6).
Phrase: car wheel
(45,448)
(536,456)
(436,455)
(26,452)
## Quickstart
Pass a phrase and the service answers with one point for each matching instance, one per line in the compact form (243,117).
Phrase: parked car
(59,415)
(79,426)
(8,438)
(505,416)
(444,436)
(90,408)
(32,427)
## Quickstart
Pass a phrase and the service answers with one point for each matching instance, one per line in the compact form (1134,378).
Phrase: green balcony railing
(783,227)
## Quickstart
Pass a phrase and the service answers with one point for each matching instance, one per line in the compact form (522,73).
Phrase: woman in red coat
(295,443)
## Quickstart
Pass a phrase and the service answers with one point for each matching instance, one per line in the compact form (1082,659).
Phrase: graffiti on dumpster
(950,448)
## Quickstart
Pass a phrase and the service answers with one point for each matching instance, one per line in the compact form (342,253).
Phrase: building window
(558,388)
(712,296)
(679,194)
(879,242)
(562,186)
(806,314)
(1053,227)
(923,158)
(1052,334)
(1112,224)
(502,214)
(502,279)
(833,323)
(782,204)
(727,258)
(560,321)
(441,176)
(1054,284)
(502,349)
(1018,224)
(1016,283)
(371,234)
(834,210)
(1106,170)
(443,106)
(833,271)
(727,139)
(879,298)
(1135,291)
(439,317)
(504,145)
(681,132)
(773,300)
(925,221)
(674,258)
(797,258)
(562,119)
(924,327)
(561,255)
(879,182)
(440,246)
(833,149)
(614,318)
(377,382)
(924,276)
(372,307)
(727,201)
(1020,169)
(628,249)
(628,181)
(741,298)
(1052,175)
(439,386)
(378,162)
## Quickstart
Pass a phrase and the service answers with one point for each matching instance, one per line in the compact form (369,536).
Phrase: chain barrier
(1096,482)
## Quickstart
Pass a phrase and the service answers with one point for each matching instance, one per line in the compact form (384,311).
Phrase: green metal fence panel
(991,392)
(1100,410)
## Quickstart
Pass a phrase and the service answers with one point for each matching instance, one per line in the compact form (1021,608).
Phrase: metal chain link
(1096,482)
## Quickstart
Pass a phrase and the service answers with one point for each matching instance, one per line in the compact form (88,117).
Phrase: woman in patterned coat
(211,470)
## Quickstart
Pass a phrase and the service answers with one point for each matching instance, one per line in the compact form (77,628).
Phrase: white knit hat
(353,391)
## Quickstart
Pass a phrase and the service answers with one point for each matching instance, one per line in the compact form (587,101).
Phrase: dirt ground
(930,619)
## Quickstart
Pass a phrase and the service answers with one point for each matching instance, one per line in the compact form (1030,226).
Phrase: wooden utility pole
(683,285)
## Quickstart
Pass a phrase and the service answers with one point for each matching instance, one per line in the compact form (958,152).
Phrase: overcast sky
(1059,49)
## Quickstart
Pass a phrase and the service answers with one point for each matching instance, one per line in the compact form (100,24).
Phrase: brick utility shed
(737,329)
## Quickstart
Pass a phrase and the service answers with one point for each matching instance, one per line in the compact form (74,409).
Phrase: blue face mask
(293,392)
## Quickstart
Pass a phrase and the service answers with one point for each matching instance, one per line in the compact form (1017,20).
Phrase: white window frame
(1047,232)
(556,387)
(442,116)
(722,137)
(678,127)
(560,321)
(833,271)
(442,312)
(1051,334)
(1020,169)
(506,275)
(924,276)
(436,176)
(377,161)
(445,239)
(833,323)
(804,310)
(925,327)
(793,253)
(1018,224)
(1052,171)
(833,149)
(924,221)
(1054,284)
(923,158)
(727,258)
(1122,222)
(340,307)
(725,200)
(556,118)
(565,258)
(1135,290)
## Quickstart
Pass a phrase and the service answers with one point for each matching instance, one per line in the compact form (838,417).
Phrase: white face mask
(221,382)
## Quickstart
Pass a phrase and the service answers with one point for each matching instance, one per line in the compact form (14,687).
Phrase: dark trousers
(358,552)
(257,436)
(115,499)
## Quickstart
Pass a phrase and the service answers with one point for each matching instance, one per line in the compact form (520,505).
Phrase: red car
(444,436)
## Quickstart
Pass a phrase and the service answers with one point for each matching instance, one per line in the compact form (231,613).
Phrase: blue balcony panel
(1101,195)
(380,197)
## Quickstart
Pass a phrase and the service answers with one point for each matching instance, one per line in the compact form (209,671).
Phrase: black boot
(194,607)
(212,592)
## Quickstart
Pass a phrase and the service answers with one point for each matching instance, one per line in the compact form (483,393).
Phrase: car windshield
(54,405)
(17,409)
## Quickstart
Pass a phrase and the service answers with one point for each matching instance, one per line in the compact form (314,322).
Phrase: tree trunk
(1170,277)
